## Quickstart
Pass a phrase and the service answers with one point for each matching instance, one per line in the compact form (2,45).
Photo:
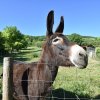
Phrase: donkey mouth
(80,65)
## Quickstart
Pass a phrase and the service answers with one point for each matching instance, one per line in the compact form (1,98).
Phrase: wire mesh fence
(70,84)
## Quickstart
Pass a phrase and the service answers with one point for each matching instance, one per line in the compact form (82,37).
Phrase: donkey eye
(55,40)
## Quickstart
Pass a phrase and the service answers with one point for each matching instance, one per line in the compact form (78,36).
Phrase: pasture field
(71,83)
(79,83)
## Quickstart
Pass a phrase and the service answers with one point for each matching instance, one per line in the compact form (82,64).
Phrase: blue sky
(81,16)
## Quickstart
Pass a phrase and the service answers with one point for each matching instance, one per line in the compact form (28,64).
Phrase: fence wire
(77,90)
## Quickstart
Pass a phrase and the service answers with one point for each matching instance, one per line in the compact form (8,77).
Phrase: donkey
(33,81)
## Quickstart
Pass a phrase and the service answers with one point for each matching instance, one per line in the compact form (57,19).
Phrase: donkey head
(60,49)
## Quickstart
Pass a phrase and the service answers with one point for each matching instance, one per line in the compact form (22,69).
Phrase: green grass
(70,82)
(27,55)
(84,83)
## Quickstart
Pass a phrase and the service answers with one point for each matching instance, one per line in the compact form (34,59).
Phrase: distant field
(80,84)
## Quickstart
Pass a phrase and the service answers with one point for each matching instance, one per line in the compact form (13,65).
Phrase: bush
(38,44)
(98,52)
(76,38)
(35,55)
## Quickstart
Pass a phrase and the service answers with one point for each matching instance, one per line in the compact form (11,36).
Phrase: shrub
(39,44)
(98,52)
(35,55)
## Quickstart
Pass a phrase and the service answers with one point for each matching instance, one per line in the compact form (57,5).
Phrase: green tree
(97,42)
(13,38)
(29,39)
(76,38)
(2,48)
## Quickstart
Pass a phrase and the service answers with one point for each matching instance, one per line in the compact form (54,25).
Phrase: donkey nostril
(81,54)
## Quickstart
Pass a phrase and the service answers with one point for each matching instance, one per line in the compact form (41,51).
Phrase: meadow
(71,83)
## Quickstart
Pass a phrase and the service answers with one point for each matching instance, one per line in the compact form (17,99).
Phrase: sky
(29,16)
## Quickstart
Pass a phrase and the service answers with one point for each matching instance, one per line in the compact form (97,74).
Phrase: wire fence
(70,84)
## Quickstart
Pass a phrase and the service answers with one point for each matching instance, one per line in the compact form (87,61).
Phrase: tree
(97,42)
(29,39)
(76,38)
(2,48)
(13,38)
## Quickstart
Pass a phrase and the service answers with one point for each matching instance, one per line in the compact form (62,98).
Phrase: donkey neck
(51,62)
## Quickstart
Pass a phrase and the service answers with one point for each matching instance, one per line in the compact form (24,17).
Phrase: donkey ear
(50,22)
(60,27)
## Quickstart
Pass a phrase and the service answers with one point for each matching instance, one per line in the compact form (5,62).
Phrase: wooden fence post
(7,79)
